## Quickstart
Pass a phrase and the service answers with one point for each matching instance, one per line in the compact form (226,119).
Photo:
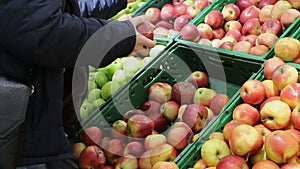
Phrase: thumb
(138,20)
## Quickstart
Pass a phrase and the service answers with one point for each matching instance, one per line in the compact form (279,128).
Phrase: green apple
(131,7)
(93,95)
(85,109)
(101,78)
(113,67)
(108,89)
(131,64)
(97,103)
(91,85)
(119,77)
(91,69)
(140,4)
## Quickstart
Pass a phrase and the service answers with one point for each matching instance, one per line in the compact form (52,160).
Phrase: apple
(108,89)
(139,126)
(218,102)
(296,134)
(268,100)
(226,45)
(163,152)
(92,157)
(165,165)
(272,26)
(279,8)
(205,31)
(210,115)
(293,165)
(263,130)
(108,167)
(218,33)
(215,43)
(181,21)
(275,115)
(246,113)
(101,78)
(160,122)
(146,29)
(180,136)
(77,148)
(154,140)
(169,110)
(93,95)
(289,16)
(180,9)
(91,136)
(290,94)
(251,26)
(245,140)
(164,24)
(243,4)
(198,79)
(214,18)
(172,33)
(127,162)
(270,88)
(160,31)
(150,107)
(204,95)
(267,39)
(119,129)
(200,164)
(228,39)
(236,34)
(287,48)
(265,13)
(104,142)
(296,117)
(134,148)
(264,3)
(114,150)
(232,25)
(153,14)
(204,41)
(231,12)
(248,13)
(216,135)
(295,4)
(270,65)
(232,162)
(202,4)
(283,75)
(281,146)
(195,116)
(213,150)
(192,11)
(167,12)
(190,32)
(252,92)
(229,127)
(260,156)
(131,113)
(160,92)
(144,160)
(249,38)
(259,50)
(242,46)
(183,92)
(177,2)
(265,164)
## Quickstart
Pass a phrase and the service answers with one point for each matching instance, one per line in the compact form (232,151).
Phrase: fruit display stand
(193,155)
(200,19)
(130,9)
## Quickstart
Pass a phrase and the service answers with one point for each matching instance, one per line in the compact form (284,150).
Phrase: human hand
(143,43)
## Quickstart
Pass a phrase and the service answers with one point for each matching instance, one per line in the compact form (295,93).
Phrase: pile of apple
(169,20)
(103,82)
(158,131)
(288,49)
(265,129)
(249,26)
(130,9)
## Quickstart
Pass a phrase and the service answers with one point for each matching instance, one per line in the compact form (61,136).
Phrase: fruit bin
(193,154)
(218,6)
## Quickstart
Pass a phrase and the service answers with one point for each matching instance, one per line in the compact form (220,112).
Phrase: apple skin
(153,14)
(265,164)
(243,4)
(181,21)
(248,13)
(91,136)
(179,137)
(154,140)
(242,46)
(134,148)
(296,117)
(264,3)
(232,162)
(177,2)
(92,157)
(77,148)
(259,50)
(127,162)
(160,31)
(272,26)
(231,12)
(131,113)
(263,130)
(165,165)
(236,34)
(183,92)
(114,150)
(195,116)
(268,100)
(200,164)
(249,38)
(281,146)
(204,41)
(253,92)
(233,25)
(192,11)
(167,12)
(270,88)
(180,112)
(267,39)
(146,29)
(295,4)
(204,95)
(288,17)
(293,165)
(251,26)
(228,39)
(296,134)
(213,150)
(229,127)
(160,122)
(265,13)
(287,48)
(275,115)
(218,33)
(164,152)
(218,102)
(205,31)
(279,8)
(160,92)
(270,65)
(216,135)
(283,75)
(164,24)
(190,32)
(201,4)
(169,110)
(198,79)
(214,18)
(139,126)
(150,107)
(226,45)
(290,94)
(180,9)
(246,113)
(119,129)
(108,167)
(144,160)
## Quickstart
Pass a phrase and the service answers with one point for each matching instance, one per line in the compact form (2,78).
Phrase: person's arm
(40,33)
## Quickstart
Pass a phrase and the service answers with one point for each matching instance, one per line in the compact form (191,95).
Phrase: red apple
(265,13)
(127,162)
(296,134)
(218,33)
(204,41)
(264,3)
(243,4)
(226,45)
(204,95)
(190,32)
(242,46)
(283,75)
(259,50)
(218,102)
(295,4)
(180,136)
(192,11)
(119,129)
(265,164)
(248,13)
(249,38)
(91,136)
(164,152)
(160,122)
(251,26)
(183,92)
(167,12)
(177,2)
(144,160)
(200,164)
(293,165)
(164,24)
(236,34)
(232,162)
(267,39)
(154,140)
(92,157)
(134,148)
(181,21)
(215,43)
(232,25)
(169,110)
(180,9)
(131,113)
(275,115)
(114,150)
(231,12)
(214,18)
(270,88)
(229,127)
(287,48)
(77,148)
(194,116)
(246,113)
(199,79)
(268,100)
(272,26)
(160,31)
(165,165)
(296,117)
(150,107)
(153,14)
(270,65)
(289,16)
(263,130)
(146,29)
(252,92)
(290,94)
(279,8)
(201,4)
(160,92)
(205,31)
(139,126)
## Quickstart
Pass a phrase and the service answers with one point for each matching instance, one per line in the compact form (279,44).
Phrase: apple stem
(248,156)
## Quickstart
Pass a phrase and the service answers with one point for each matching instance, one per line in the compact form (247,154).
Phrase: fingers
(138,20)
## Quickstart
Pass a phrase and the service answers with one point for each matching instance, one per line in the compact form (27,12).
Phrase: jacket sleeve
(101,8)
(41,33)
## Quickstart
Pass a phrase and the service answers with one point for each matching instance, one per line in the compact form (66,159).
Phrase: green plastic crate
(193,154)
(218,6)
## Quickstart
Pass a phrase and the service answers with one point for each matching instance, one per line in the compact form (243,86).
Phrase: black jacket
(39,34)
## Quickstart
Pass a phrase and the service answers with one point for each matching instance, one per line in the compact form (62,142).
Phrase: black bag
(14,98)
